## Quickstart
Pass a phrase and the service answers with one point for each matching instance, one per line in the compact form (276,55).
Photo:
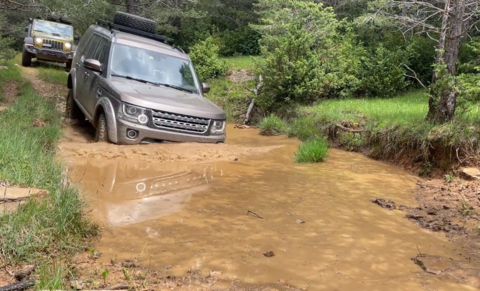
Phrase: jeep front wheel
(26,59)
(101,133)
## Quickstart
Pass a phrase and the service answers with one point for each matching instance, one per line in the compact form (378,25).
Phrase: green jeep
(49,40)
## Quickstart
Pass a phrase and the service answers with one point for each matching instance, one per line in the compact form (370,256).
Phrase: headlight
(67,46)
(135,114)
(38,41)
(218,127)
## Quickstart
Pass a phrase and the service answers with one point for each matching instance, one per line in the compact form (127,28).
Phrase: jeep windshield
(53,28)
(144,65)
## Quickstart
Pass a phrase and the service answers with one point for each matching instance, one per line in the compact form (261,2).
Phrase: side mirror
(93,65)
(205,88)
(76,37)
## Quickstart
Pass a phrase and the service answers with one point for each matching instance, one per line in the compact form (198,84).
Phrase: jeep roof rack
(60,19)
(110,26)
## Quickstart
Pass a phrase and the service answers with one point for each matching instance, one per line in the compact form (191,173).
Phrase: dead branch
(252,103)
(350,129)
(414,76)
(248,212)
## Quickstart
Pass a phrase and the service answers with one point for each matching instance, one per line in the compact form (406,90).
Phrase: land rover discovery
(134,87)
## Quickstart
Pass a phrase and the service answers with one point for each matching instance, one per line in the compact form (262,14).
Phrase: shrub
(312,151)
(272,125)
(204,56)
(243,41)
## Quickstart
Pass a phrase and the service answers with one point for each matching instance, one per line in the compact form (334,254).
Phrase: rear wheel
(135,22)
(26,59)
(101,133)
(72,109)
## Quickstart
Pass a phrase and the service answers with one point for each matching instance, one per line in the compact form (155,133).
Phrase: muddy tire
(26,59)
(72,109)
(135,22)
(101,133)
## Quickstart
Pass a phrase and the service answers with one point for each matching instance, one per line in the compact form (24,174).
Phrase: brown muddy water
(223,215)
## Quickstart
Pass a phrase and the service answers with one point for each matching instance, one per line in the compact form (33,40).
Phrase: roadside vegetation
(47,228)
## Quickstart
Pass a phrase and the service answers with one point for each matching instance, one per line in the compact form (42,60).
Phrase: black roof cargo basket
(138,32)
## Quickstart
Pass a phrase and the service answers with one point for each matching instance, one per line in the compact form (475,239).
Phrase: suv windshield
(150,66)
(52,28)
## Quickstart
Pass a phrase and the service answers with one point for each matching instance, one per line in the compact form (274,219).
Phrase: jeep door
(93,79)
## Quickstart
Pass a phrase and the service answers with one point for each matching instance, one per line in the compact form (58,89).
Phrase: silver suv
(133,87)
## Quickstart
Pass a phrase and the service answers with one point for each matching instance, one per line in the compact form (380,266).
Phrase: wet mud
(246,211)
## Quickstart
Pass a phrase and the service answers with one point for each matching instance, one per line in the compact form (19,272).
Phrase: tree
(447,22)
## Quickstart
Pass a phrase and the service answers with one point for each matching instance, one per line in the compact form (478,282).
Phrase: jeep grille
(53,44)
(180,122)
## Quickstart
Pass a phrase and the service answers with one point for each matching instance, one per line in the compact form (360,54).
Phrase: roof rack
(123,28)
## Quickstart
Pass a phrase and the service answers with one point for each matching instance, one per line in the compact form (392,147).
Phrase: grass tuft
(10,74)
(312,151)
(272,125)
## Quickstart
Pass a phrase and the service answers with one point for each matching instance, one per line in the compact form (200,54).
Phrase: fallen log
(18,286)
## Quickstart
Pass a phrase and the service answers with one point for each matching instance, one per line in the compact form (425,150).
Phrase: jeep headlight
(67,46)
(135,114)
(38,42)
(218,127)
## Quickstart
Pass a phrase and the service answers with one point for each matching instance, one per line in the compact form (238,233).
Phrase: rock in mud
(269,254)
(390,205)
(470,173)
(299,221)
(77,284)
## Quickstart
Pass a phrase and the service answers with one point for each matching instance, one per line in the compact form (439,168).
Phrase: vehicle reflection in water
(133,192)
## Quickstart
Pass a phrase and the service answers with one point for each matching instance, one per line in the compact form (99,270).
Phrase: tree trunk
(442,104)
(130,5)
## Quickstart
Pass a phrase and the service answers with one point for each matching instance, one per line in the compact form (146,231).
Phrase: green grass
(55,223)
(272,125)
(312,151)
(52,74)
(11,74)
(238,63)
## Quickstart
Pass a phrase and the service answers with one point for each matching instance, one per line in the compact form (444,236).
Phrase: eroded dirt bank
(243,216)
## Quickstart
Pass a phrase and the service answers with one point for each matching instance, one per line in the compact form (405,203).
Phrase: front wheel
(26,59)
(101,133)
(72,110)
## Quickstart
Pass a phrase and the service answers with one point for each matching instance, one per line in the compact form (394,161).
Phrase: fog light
(142,118)
(132,133)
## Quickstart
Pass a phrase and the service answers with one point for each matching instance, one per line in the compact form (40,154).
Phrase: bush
(272,125)
(312,151)
(383,74)
(243,41)
(204,56)
(305,55)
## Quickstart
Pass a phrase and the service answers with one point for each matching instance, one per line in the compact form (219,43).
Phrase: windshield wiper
(175,87)
(132,78)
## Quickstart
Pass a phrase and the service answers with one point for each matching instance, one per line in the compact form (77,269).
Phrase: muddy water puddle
(318,220)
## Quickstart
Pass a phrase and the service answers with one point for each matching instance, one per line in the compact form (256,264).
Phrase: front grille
(180,122)
(53,44)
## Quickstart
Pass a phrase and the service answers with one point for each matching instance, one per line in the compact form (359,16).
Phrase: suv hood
(166,99)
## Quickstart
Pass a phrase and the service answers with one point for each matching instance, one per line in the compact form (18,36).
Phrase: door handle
(77,64)
(86,74)
(99,93)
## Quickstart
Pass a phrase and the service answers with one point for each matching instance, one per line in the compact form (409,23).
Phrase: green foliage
(204,56)
(297,37)
(11,73)
(272,125)
(383,72)
(55,222)
(304,128)
(243,41)
(312,151)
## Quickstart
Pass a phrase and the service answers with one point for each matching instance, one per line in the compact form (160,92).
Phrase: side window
(91,47)
(101,52)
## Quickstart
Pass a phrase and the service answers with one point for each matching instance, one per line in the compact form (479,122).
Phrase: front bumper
(49,54)
(147,133)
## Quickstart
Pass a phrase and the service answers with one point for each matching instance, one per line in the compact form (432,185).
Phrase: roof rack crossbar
(123,28)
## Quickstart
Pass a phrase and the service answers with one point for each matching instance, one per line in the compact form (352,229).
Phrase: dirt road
(244,215)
